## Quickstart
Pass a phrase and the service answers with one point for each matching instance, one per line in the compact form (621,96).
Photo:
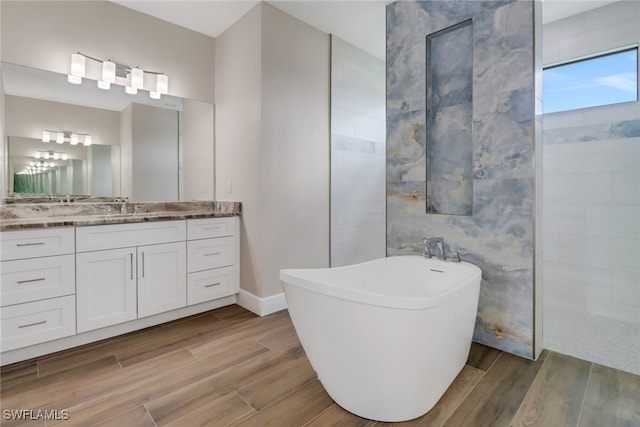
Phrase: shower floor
(608,342)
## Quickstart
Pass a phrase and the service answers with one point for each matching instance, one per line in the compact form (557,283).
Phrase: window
(601,80)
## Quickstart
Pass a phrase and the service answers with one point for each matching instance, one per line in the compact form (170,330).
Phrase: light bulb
(45,136)
(74,139)
(56,156)
(130,90)
(77,69)
(87,140)
(37,154)
(46,155)
(154,95)
(104,85)
(108,72)
(60,138)
(162,84)
(64,156)
(137,78)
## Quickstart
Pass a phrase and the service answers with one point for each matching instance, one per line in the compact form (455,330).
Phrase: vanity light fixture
(132,78)
(61,136)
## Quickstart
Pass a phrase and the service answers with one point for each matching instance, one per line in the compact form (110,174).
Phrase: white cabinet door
(106,288)
(162,275)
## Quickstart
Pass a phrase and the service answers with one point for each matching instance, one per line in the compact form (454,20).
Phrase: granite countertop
(24,216)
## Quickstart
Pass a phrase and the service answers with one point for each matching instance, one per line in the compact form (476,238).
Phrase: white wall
(295,139)
(238,146)
(591,160)
(198,166)
(358,155)
(272,142)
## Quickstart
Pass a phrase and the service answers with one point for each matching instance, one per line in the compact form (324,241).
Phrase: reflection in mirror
(119,124)
(40,168)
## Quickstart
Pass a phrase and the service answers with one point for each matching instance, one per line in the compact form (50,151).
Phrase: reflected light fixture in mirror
(51,155)
(131,78)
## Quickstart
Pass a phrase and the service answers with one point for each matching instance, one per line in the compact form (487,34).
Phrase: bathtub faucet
(439,241)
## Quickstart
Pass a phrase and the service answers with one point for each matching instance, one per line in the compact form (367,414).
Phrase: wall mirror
(136,141)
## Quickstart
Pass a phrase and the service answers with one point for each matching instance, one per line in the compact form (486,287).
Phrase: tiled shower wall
(357,155)
(592,211)
(592,204)
(499,236)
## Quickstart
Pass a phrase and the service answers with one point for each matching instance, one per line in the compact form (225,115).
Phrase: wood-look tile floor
(230,367)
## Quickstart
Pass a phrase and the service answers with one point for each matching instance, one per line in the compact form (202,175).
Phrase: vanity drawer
(36,322)
(211,284)
(37,278)
(207,228)
(210,253)
(100,237)
(39,242)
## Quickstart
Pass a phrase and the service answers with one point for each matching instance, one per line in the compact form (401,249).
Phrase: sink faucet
(123,208)
(439,241)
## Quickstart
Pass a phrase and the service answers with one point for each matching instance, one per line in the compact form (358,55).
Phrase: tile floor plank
(45,392)
(336,416)
(18,374)
(498,395)
(295,409)
(274,386)
(215,412)
(482,357)
(612,399)
(557,393)
(182,401)
(137,417)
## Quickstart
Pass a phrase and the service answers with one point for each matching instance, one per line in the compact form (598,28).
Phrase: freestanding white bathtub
(386,337)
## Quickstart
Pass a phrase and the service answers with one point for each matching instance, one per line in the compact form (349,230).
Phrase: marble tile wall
(499,234)
(357,155)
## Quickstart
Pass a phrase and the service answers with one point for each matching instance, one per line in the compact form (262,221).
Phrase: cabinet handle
(30,244)
(39,279)
(212,285)
(131,261)
(212,253)
(142,264)
(42,322)
(213,227)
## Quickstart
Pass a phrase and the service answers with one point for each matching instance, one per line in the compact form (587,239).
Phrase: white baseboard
(261,306)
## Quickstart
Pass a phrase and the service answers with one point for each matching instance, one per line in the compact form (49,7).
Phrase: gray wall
(499,236)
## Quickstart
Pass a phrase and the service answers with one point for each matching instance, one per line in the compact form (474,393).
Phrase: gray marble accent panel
(499,235)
